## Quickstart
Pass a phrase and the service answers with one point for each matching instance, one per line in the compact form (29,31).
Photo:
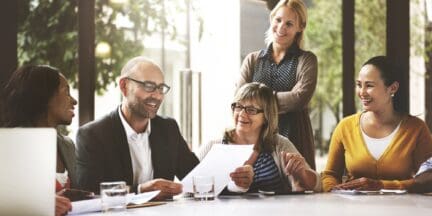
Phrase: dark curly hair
(25,97)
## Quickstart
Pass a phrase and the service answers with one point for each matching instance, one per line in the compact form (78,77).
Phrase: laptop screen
(27,170)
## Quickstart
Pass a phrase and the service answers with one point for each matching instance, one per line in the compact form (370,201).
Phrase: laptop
(27,171)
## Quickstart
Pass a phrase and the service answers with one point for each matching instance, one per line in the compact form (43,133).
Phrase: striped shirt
(266,176)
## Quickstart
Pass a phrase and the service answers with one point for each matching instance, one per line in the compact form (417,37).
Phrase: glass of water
(113,196)
(203,187)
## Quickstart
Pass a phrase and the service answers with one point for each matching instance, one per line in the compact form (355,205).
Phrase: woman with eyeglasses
(275,164)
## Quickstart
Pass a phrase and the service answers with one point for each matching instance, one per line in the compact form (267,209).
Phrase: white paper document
(95,205)
(86,206)
(142,197)
(219,162)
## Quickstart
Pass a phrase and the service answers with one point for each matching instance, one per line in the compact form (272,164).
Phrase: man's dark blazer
(103,152)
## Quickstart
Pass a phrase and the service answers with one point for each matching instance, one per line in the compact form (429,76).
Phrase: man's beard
(138,108)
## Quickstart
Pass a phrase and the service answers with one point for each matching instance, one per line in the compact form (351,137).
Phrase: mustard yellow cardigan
(411,145)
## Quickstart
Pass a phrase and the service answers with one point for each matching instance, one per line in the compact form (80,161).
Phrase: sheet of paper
(95,205)
(219,162)
(86,206)
(142,197)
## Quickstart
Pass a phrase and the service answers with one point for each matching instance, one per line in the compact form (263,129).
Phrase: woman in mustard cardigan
(381,147)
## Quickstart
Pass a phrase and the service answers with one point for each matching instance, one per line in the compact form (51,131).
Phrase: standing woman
(381,147)
(289,71)
(38,96)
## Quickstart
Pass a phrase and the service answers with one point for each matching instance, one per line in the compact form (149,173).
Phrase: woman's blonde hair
(299,8)
(263,96)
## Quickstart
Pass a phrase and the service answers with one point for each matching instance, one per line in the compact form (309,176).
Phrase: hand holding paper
(219,162)
(243,176)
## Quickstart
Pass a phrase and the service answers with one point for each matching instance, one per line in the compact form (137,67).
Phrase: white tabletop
(289,205)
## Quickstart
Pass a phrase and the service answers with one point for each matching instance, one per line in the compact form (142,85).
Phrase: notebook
(27,170)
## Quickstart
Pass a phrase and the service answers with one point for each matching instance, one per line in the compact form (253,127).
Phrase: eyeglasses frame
(144,84)
(235,105)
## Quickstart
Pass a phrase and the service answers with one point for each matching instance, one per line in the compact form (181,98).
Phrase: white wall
(217,56)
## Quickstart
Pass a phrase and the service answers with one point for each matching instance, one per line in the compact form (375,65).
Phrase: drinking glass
(203,187)
(113,196)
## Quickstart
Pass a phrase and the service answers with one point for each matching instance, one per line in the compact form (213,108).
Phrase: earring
(392,95)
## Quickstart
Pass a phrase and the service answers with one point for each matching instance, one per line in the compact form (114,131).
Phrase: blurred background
(200,45)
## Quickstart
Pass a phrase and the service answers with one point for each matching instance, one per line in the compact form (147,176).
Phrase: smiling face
(248,124)
(285,26)
(141,103)
(61,106)
(374,95)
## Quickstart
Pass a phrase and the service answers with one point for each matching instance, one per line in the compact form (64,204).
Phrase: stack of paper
(95,205)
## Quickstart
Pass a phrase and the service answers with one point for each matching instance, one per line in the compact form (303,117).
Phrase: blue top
(279,77)
(267,176)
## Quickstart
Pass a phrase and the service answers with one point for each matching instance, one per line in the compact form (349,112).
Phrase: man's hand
(62,205)
(243,176)
(168,188)
(360,184)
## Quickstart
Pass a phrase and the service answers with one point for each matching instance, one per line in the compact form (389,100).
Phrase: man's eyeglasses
(250,110)
(150,86)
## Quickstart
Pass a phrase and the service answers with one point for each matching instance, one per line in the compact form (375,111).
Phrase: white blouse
(378,146)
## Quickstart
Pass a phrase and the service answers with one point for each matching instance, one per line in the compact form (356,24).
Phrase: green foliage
(323,37)
(370,30)
(48,33)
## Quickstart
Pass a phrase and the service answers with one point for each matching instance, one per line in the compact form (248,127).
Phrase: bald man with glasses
(132,143)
